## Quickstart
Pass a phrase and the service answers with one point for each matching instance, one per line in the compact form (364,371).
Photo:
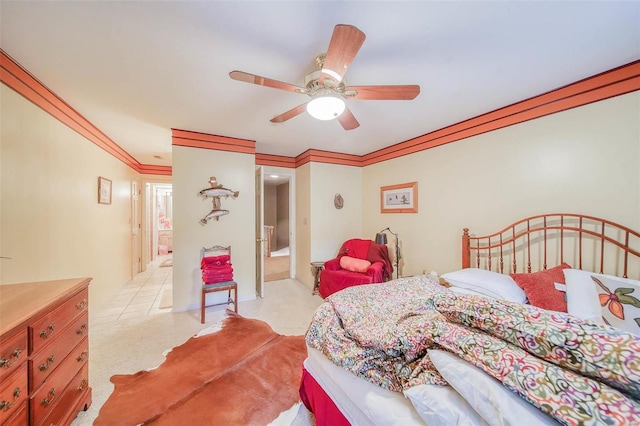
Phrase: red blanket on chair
(380,253)
(216,271)
(212,261)
(355,248)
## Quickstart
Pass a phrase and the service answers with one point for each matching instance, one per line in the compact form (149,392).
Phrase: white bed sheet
(361,402)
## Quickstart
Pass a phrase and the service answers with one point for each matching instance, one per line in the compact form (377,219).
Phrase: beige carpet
(276,268)
(167,263)
(167,299)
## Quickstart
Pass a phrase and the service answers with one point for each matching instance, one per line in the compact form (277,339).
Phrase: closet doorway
(277,202)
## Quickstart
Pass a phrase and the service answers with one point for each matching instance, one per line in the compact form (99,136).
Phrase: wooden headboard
(546,240)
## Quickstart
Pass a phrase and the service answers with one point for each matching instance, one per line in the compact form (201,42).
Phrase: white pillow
(500,286)
(582,298)
(442,406)
(494,402)
(621,298)
(460,290)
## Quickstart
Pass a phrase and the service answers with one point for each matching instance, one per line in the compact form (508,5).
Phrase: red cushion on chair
(354,265)
(540,289)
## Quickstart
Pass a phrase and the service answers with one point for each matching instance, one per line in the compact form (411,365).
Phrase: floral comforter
(576,371)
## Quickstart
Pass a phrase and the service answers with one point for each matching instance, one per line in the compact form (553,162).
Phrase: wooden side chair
(217,275)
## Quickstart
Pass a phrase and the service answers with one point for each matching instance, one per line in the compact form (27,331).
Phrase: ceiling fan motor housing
(314,84)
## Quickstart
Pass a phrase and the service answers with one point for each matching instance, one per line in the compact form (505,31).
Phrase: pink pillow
(354,265)
(540,289)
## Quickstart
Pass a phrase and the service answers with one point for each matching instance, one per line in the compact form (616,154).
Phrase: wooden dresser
(44,352)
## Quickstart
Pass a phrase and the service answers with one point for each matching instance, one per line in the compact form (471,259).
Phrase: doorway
(162,220)
(157,220)
(277,202)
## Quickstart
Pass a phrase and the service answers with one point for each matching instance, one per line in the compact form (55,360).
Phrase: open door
(259,234)
(136,241)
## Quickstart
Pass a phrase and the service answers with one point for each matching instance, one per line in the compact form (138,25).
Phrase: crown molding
(14,76)
(615,82)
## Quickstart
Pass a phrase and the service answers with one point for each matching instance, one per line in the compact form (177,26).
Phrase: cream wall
(585,160)
(302,223)
(192,168)
(330,227)
(51,223)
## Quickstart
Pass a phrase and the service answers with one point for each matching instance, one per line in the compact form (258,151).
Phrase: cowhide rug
(244,374)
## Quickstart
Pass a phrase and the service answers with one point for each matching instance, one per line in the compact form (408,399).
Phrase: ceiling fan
(327,86)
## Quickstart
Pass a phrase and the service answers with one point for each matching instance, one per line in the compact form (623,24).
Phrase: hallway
(140,297)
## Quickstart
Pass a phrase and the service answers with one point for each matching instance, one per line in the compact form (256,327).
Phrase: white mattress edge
(361,402)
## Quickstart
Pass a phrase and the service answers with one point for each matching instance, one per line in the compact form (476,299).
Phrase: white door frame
(259,205)
(136,228)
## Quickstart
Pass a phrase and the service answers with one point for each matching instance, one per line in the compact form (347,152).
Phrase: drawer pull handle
(83,304)
(47,401)
(6,362)
(6,405)
(44,333)
(83,385)
(82,329)
(82,356)
(45,367)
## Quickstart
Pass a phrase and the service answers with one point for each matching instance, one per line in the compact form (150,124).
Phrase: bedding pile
(576,371)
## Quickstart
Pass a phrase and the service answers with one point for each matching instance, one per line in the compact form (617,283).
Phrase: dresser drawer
(13,392)
(69,398)
(52,390)
(20,417)
(43,363)
(80,353)
(43,330)
(13,351)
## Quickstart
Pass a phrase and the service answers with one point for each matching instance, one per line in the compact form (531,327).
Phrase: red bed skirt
(319,403)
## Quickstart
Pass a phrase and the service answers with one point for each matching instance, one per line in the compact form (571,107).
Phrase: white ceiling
(137,69)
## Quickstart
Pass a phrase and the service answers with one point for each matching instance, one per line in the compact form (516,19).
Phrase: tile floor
(139,297)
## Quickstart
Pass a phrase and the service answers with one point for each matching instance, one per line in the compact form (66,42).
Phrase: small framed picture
(104,190)
(402,198)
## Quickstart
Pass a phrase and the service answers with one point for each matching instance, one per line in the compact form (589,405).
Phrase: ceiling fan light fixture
(326,107)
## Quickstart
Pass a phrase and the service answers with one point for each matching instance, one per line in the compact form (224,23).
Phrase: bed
(483,344)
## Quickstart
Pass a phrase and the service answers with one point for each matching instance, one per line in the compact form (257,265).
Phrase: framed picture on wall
(401,198)
(104,190)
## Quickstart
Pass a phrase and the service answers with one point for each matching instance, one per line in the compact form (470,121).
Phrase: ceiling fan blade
(264,81)
(347,120)
(289,114)
(388,93)
(343,47)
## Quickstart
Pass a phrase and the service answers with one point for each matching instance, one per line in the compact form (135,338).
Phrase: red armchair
(335,278)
